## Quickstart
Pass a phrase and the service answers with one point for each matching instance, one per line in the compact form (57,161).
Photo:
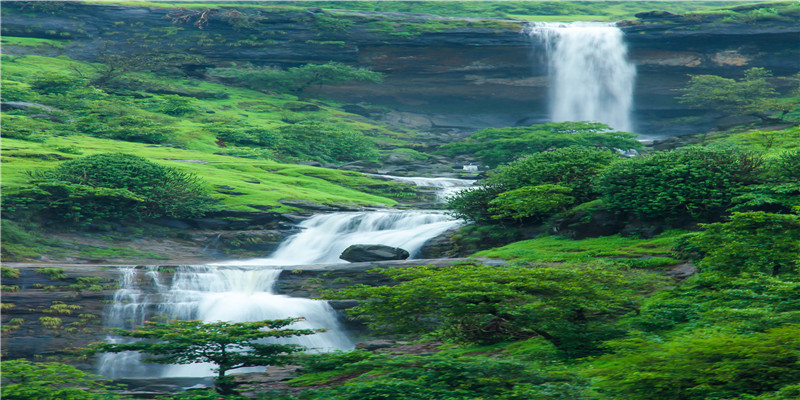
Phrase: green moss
(641,253)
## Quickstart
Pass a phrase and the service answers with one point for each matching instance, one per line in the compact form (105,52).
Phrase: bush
(52,83)
(110,186)
(698,182)
(494,146)
(755,242)
(25,380)
(313,140)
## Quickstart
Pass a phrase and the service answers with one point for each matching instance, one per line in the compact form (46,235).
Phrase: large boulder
(373,252)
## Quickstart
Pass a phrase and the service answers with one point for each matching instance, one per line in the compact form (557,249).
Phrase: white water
(447,187)
(591,76)
(325,236)
(240,291)
(211,294)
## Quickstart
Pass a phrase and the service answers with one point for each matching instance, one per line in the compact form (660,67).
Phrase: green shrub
(176,105)
(495,146)
(313,140)
(52,83)
(699,182)
(110,186)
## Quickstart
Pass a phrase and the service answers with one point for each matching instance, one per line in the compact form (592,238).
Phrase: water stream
(243,290)
(591,78)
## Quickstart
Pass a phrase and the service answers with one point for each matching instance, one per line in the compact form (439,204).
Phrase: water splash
(325,236)
(591,76)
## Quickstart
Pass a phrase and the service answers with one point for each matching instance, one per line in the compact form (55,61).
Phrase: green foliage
(110,186)
(701,365)
(53,83)
(295,79)
(781,193)
(112,120)
(53,273)
(482,304)
(531,201)
(755,242)
(752,94)
(743,303)
(9,272)
(313,140)
(452,377)
(24,128)
(225,344)
(494,146)
(176,105)
(571,168)
(699,182)
(248,135)
(25,380)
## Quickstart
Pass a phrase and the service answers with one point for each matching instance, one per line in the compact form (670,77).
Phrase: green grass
(30,42)
(555,249)
(277,181)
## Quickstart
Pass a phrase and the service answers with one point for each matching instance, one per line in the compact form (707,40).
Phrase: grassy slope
(277,181)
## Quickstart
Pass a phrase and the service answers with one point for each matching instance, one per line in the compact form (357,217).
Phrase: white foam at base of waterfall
(591,76)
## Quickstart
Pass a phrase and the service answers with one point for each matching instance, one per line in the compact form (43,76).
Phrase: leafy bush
(110,186)
(453,377)
(25,380)
(701,365)
(699,182)
(494,146)
(570,168)
(313,140)
(176,105)
(482,304)
(755,242)
(50,83)
(295,79)
(531,201)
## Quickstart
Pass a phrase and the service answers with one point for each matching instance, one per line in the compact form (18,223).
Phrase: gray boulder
(373,252)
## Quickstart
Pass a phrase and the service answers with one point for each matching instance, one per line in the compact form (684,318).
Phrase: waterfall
(325,236)
(591,77)
(208,293)
(240,291)
(445,187)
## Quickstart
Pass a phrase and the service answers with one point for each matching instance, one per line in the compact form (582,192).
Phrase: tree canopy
(228,345)
(494,146)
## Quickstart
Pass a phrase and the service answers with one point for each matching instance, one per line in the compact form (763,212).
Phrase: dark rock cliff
(453,74)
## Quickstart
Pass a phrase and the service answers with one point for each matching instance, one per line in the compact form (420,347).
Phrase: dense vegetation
(611,316)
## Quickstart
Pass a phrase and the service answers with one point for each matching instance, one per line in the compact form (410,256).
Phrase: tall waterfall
(591,76)
(242,291)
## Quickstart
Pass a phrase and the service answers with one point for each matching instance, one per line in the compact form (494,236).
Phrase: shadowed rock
(373,252)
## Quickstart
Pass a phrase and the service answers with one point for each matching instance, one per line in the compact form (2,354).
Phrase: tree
(570,168)
(25,380)
(696,182)
(296,79)
(702,365)
(229,345)
(751,242)
(752,94)
(111,187)
(531,201)
(494,146)
(489,304)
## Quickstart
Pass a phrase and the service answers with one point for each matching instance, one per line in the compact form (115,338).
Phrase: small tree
(229,345)
(25,380)
(750,95)
(751,242)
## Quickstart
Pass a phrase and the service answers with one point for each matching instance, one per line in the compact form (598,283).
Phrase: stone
(373,252)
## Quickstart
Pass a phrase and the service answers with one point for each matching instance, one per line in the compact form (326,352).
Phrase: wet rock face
(373,252)
(447,81)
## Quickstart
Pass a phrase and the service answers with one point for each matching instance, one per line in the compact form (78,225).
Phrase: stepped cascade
(240,291)
(591,78)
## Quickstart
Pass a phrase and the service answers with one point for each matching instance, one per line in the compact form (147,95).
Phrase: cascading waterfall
(242,291)
(325,236)
(591,76)
(446,187)
(209,293)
